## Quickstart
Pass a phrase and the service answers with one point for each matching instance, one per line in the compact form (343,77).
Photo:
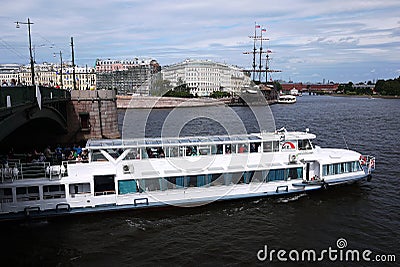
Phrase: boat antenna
(344,139)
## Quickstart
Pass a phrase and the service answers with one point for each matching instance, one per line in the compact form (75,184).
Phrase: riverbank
(146,102)
(368,96)
(149,102)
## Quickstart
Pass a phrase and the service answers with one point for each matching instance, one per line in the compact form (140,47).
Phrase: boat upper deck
(198,140)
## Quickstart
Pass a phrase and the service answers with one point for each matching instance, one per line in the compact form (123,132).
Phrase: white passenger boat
(286,99)
(185,171)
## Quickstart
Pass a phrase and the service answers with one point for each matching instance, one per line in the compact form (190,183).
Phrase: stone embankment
(148,102)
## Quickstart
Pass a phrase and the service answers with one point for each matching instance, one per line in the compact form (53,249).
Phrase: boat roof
(196,140)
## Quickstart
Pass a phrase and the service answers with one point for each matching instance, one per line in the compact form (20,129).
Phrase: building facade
(126,76)
(203,77)
(9,74)
(49,74)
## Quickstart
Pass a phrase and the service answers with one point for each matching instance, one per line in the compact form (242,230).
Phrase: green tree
(278,86)
(219,94)
(158,86)
(389,87)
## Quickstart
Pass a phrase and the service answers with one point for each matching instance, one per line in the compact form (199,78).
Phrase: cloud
(306,36)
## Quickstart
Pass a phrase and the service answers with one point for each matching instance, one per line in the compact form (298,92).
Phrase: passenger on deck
(37,156)
(85,157)
(78,150)
(242,149)
(71,155)
(48,153)
(161,153)
(59,154)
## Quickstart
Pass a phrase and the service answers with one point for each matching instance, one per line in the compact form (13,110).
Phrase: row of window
(105,184)
(133,186)
(200,150)
(339,168)
(32,193)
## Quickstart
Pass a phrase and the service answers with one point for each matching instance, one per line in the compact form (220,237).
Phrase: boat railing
(20,171)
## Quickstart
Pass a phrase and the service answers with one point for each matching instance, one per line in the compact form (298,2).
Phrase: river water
(366,215)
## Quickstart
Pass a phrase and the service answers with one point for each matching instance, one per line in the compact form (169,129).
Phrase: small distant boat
(286,99)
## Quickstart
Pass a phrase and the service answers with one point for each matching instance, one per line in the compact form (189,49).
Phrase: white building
(203,77)
(49,74)
(85,78)
(9,74)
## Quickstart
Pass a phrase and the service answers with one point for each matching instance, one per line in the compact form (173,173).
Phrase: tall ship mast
(257,73)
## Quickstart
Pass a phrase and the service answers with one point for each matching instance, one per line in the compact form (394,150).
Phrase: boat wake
(291,198)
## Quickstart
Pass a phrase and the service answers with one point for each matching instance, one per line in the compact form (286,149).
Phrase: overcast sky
(336,40)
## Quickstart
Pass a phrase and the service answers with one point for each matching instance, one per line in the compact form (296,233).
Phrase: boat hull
(145,202)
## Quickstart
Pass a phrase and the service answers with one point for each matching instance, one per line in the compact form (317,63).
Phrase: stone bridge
(35,116)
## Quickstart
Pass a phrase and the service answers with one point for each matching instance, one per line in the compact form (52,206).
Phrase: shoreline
(367,96)
(155,102)
(146,102)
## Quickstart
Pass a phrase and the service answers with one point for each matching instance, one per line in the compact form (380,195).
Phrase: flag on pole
(38,97)
(263,30)
(258,26)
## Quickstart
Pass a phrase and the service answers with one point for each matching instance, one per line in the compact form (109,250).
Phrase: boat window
(275,145)
(149,184)
(28,193)
(267,146)
(304,144)
(276,175)
(81,188)
(234,148)
(191,181)
(214,179)
(339,168)
(53,191)
(155,152)
(295,173)
(127,187)
(170,182)
(331,170)
(133,154)
(144,153)
(204,150)
(172,151)
(163,184)
(97,156)
(216,149)
(104,185)
(228,178)
(6,195)
(191,151)
(182,151)
(348,167)
(356,166)
(258,176)
(228,149)
(246,177)
(243,148)
(255,147)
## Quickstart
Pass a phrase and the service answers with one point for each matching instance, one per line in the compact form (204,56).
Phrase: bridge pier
(92,115)
(36,117)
